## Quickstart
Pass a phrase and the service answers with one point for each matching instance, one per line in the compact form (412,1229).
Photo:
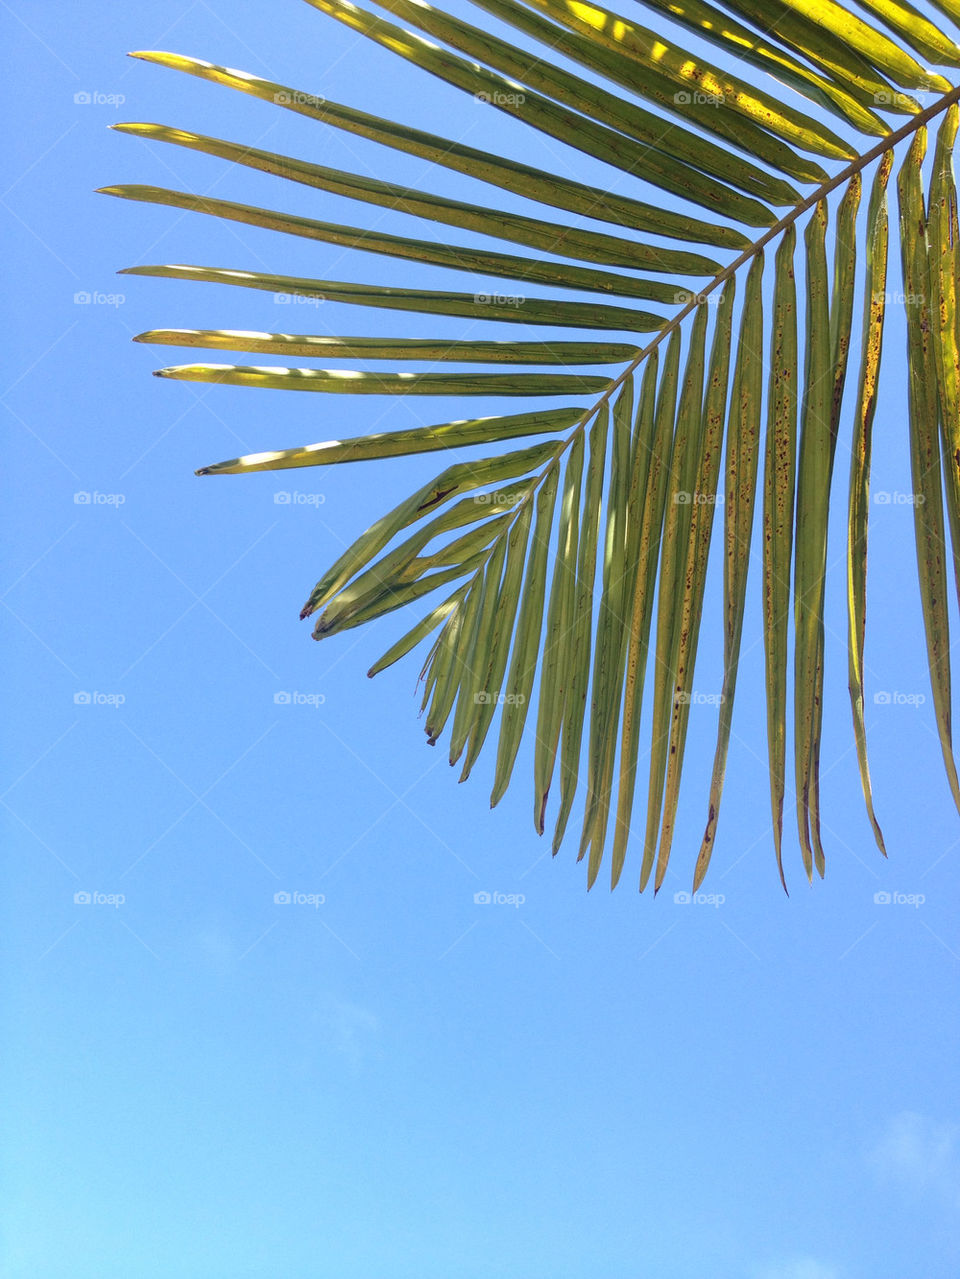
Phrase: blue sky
(393,1082)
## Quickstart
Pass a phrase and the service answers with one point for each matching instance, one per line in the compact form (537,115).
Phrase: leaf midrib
(855,166)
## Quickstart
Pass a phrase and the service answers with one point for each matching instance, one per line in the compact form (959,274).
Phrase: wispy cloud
(348,1027)
(919,1154)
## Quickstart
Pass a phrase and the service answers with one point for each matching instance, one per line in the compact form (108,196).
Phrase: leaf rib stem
(809,202)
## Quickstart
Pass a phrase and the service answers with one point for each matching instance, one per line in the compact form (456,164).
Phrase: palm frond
(576,564)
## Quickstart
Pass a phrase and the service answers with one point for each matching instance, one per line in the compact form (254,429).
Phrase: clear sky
(393,1082)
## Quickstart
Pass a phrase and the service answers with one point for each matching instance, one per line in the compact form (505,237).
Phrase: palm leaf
(547,188)
(580,243)
(742,464)
(874,314)
(575,563)
(779,488)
